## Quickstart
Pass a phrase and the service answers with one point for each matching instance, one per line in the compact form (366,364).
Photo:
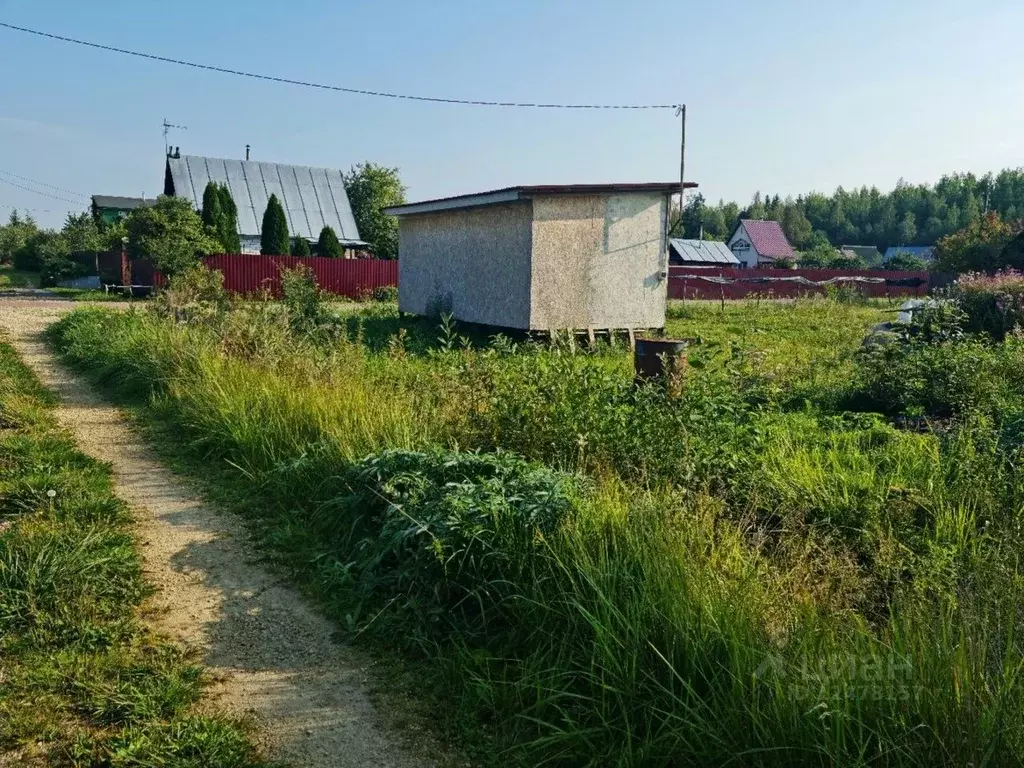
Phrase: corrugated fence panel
(679,287)
(342,277)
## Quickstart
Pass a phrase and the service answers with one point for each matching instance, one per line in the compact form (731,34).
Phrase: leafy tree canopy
(372,188)
(906,262)
(170,233)
(980,247)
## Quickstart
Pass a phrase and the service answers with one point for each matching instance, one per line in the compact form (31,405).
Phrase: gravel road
(270,652)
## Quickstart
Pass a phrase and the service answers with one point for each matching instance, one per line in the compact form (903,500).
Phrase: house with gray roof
(108,209)
(313,198)
(701,253)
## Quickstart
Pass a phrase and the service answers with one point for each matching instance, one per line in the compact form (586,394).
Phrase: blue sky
(785,97)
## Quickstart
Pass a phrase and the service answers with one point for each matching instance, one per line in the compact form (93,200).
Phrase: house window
(741,245)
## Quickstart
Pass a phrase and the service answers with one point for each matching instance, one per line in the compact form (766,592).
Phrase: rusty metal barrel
(661,360)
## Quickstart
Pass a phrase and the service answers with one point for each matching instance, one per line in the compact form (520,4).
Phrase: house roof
(121,203)
(925,252)
(513,194)
(702,252)
(313,198)
(768,239)
(868,253)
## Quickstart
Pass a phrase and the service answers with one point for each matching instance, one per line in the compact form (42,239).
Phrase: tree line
(910,214)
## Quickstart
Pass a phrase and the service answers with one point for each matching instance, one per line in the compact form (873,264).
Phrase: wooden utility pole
(681,112)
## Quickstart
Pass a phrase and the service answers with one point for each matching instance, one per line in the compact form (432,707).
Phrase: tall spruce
(300,247)
(274,240)
(229,222)
(328,245)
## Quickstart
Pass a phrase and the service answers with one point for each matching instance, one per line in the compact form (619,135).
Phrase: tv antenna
(168,127)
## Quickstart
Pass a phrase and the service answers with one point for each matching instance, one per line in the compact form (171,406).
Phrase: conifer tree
(274,240)
(328,245)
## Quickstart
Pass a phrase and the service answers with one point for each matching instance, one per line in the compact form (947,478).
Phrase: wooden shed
(539,257)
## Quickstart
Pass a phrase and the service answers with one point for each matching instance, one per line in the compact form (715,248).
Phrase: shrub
(304,301)
(274,240)
(993,304)
(905,262)
(300,247)
(328,245)
(384,294)
(195,295)
(939,380)
(479,521)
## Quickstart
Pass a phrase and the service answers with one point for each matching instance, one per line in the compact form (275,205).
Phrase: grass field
(810,557)
(83,679)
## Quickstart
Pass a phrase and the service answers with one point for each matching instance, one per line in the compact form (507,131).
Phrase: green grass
(15,278)
(83,679)
(749,574)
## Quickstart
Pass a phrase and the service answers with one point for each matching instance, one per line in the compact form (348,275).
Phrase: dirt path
(271,653)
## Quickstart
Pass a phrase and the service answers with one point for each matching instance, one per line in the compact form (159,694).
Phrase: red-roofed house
(759,243)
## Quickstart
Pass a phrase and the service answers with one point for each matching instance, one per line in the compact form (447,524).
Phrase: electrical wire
(43,184)
(321,86)
(26,209)
(36,191)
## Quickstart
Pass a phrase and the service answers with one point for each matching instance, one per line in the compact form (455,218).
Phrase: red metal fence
(684,283)
(256,274)
(344,277)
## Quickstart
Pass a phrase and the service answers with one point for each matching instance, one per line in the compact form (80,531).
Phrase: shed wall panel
(597,261)
(473,263)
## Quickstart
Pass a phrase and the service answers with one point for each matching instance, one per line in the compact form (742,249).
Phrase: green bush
(993,304)
(274,240)
(940,380)
(328,245)
(478,521)
(300,247)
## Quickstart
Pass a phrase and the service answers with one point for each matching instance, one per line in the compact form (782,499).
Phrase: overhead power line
(44,194)
(26,209)
(323,87)
(43,184)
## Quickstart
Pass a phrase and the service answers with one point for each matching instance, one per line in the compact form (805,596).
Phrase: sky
(783,97)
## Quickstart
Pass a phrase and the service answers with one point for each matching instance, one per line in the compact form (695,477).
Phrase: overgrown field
(810,557)
(82,679)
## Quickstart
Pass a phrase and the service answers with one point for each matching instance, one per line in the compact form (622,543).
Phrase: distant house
(701,253)
(924,252)
(312,197)
(870,255)
(759,243)
(108,209)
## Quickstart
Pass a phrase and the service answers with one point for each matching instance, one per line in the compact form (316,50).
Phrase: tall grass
(736,577)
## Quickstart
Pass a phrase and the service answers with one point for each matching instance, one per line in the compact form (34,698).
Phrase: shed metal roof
(926,252)
(512,194)
(312,197)
(702,252)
